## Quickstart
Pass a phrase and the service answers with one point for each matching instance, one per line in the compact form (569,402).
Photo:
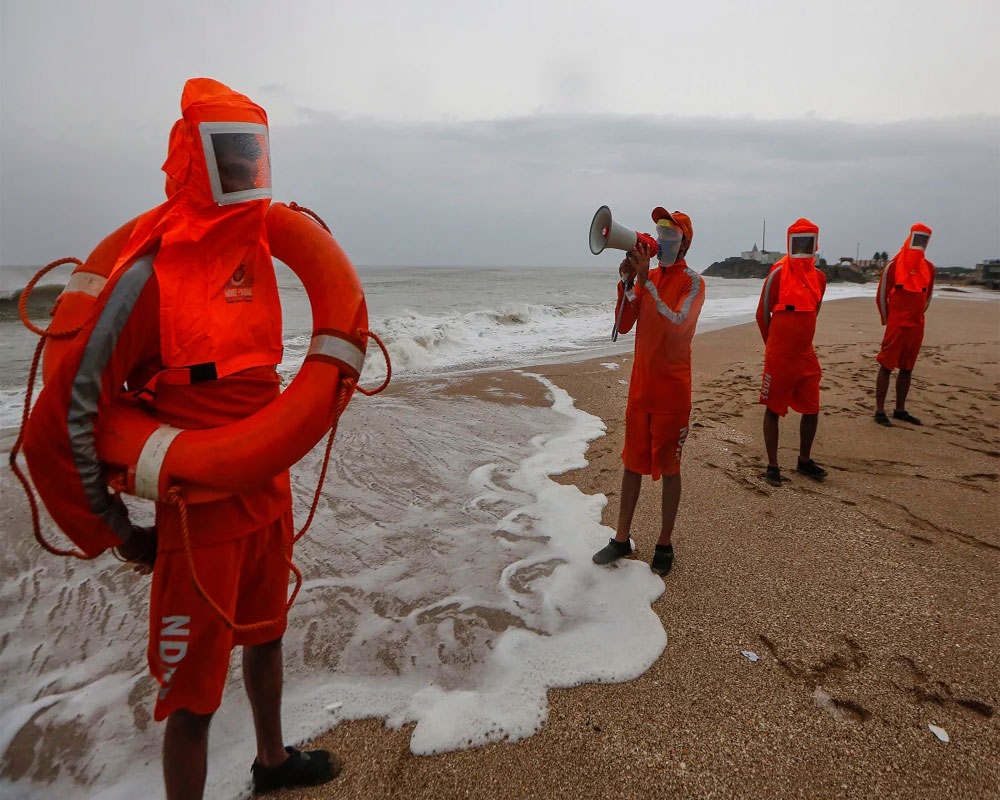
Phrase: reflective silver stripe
(85,283)
(677,317)
(767,298)
(883,292)
(86,390)
(334,347)
(150,463)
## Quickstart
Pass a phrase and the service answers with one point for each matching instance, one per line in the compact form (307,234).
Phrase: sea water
(448,581)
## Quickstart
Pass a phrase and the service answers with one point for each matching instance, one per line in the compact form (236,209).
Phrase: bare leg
(771,436)
(262,678)
(807,432)
(631,483)
(671,502)
(902,388)
(185,754)
(882,387)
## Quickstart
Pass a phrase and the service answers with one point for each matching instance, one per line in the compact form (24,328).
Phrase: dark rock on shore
(736,267)
(837,274)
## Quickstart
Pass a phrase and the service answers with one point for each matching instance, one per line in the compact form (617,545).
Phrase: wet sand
(871,598)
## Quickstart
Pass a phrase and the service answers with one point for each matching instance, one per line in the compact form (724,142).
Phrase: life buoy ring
(159,462)
(146,458)
(244,454)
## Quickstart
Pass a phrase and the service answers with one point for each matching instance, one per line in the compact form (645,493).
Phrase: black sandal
(663,559)
(612,551)
(773,476)
(811,470)
(882,419)
(906,416)
(299,769)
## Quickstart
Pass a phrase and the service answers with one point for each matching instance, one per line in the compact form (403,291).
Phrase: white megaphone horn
(605,232)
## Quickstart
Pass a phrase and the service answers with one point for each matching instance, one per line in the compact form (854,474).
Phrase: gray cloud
(521,191)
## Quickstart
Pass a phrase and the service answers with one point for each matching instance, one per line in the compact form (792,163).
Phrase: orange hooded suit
(786,315)
(191,316)
(665,312)
(904,293)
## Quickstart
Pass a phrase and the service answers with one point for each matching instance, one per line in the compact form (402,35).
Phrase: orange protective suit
(904,293)
(665,312)
(191,313)
(786,316)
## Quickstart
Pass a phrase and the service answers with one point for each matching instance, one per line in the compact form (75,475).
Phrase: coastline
(870,598)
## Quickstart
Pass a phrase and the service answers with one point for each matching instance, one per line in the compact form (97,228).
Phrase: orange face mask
(218,295)
(799,289)
(912,270)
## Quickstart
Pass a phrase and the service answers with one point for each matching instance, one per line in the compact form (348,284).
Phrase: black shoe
(612,552)
(811,470)
(299,769)
(906,416)
(663,559)
(773,476)
(882,419)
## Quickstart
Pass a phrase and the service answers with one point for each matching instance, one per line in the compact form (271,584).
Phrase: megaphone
(605,232)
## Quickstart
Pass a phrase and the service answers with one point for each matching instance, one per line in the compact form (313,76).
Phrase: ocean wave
(506,334)
(419,342)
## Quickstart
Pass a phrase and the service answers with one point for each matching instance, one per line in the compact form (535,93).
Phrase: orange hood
(913,271)
(799,288)
(218,294)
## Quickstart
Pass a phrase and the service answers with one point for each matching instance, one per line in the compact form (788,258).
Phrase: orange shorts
(189,644)
(653,442)
(790,384)
(900,346)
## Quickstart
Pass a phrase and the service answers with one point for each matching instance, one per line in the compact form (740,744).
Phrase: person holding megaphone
(663,303)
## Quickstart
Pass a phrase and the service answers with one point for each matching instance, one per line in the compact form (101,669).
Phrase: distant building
(869,267)
(763,256)
(987,273)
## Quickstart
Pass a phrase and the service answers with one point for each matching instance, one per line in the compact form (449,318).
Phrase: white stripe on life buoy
(85,283)
(323,344)
(147,469)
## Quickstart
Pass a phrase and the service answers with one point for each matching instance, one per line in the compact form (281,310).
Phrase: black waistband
(203,372)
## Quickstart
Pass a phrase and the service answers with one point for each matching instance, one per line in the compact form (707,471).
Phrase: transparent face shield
(668,241)
(918,241)
(802,245)
(238,158)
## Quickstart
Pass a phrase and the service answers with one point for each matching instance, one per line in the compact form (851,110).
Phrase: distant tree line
(883,256)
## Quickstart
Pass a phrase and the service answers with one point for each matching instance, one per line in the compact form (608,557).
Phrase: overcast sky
(448,133)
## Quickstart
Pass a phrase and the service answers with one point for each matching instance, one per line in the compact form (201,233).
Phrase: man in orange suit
(786,315)
(663,303)
(170,320)
(904,293)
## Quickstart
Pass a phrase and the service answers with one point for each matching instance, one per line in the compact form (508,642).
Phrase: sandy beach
(870,598)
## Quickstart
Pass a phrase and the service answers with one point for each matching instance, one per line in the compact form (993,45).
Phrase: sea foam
(448,585)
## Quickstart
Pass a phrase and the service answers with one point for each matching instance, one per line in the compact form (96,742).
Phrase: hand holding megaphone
(638,259)
(605,232)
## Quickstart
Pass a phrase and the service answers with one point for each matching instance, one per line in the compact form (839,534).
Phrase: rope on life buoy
(29,391)
(309,213)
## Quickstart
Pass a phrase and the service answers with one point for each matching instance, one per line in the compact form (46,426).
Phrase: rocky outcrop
(736,267)
(838,274)
(748,268)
